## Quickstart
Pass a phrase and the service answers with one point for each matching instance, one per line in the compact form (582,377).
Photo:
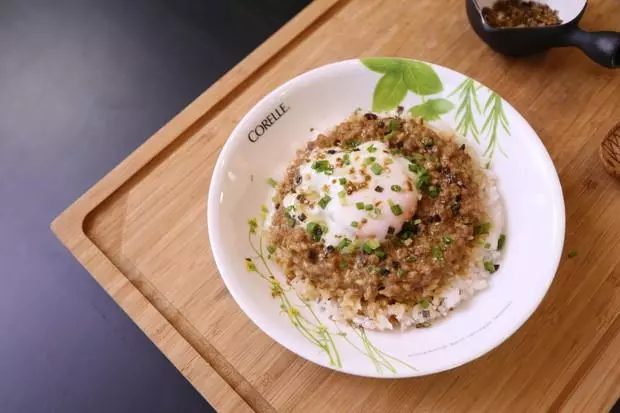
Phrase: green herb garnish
(324,201)
(424,303)
(433,191)
(411,258)
(376,168)
(401,273)
(371,149)
(343,265)
(355,224)
(490,267)
(447,239)
(370,245)
(572,254)
(369,160)
(272,182)
(271,249)
(428,143)
(323,166)
(342,194)
(342,181)
(253,224)
(501,242)
(396,188)
(482,229)
(437,252)
(369,207)
(352,143)
(345,242)
(359,205)
(380,253)
(315,230)
(396,209)
(394,125)
(346,159)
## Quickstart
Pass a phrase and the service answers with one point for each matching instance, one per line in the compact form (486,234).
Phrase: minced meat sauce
(431,248)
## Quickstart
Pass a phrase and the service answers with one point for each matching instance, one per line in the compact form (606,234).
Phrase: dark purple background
(82,84)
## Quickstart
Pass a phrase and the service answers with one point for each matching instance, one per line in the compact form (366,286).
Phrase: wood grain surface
(142,232)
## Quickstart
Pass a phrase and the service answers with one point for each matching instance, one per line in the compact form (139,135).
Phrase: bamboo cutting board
(142,233)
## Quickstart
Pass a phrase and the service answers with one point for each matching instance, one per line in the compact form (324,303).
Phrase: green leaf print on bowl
(401,76)
(305,319)
(432,109)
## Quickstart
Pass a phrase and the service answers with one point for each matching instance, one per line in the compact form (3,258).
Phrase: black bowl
(602,47)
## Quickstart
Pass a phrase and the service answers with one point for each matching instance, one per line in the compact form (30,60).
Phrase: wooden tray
(142,232)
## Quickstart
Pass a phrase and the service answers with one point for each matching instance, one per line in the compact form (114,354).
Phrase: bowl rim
(213,207)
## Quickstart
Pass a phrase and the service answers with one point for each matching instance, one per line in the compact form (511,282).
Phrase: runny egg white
(355,194)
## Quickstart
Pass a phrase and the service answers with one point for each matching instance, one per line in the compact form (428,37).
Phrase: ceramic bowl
(265,141)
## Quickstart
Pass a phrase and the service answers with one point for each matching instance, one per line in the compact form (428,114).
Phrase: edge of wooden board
(237,396)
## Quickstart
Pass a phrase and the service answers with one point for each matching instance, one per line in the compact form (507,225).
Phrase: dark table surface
(82,84)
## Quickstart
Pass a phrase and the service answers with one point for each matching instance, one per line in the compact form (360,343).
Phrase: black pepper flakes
(370,116)
(331,151)
(302,217)
(298,179)
(384,272)
(277,206)
(379,189)
(391,230)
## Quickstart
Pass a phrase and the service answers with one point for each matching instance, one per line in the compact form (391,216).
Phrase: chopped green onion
(342,181)
(428,143)
(345,242)
(359,205)
(411,258)
(384,272)
(487,245)
(424,303)
(342,194)
(352,143)
(422,180)
(401,273)
(315,231)
(572,254)
(376,168)
(324,201)
(501,242)
(447,239)
(396,209)
(417,221)
(346,159)
(396,188)
(376,213)
(355,224)
(371,149)
(437,252)
(369,160)
(370,245)
(490,267)
(272,182)
(482,229)
(380,253)
(369,207)
(433,191)
(271,249)
(394,125)
(389,136)
(323,166)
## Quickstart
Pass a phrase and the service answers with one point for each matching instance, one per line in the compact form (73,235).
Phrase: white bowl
(264,143)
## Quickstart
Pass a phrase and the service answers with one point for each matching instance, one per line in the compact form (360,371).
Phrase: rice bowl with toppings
(436,195)
(386,223)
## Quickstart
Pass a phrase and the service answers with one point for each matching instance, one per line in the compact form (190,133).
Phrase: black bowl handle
(602,47)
